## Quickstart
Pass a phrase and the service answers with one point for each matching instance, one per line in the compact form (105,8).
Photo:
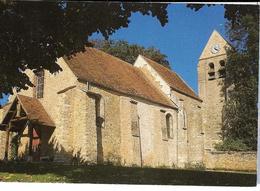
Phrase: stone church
(102,110)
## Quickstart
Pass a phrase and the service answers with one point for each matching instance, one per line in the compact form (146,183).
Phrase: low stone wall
(244,161)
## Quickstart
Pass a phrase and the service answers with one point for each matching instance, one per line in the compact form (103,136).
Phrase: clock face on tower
(215,48)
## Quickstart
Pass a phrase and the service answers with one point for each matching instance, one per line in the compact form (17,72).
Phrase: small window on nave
(169,126)
(39,84)
(163,126)
(184,120)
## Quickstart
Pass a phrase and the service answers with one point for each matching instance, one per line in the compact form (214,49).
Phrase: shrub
(15,142)
(195,166)
(231,145)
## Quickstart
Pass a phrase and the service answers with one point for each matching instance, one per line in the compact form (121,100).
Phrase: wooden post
(30,133)
(7,141)
(18,108)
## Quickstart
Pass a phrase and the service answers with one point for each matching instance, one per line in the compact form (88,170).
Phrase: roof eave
(128,94)
(179,91)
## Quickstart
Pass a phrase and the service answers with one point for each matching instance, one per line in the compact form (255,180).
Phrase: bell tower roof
(215,46)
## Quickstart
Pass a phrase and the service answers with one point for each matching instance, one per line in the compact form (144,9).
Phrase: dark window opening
(222,69)
(211,71)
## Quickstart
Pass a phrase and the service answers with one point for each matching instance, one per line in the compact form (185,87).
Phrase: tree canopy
(34,34)
(233,13)
(129,52)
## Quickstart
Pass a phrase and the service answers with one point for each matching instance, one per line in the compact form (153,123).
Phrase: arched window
(169,126)
(211,71)
(222,63)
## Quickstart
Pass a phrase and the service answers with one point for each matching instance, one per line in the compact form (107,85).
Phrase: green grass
(50,172)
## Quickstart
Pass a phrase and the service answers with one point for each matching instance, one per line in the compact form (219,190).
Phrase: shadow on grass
(106,174)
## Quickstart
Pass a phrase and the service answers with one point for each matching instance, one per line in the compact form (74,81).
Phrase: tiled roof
(100,68)
(34,110)
(173,79)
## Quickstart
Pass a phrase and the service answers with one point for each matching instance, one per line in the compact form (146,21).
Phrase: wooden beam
(7,142)
(19,119)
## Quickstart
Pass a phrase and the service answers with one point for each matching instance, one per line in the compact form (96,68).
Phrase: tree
(129,52)
(233,13)
(34,34)
(241,81)
(240,119)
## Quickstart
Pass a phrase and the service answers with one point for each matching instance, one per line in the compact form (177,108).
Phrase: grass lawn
(50,172)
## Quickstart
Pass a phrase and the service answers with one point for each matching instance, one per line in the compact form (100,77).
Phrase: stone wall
(111,130)
(92,141)
(220,160)
(155,150)
(191,141)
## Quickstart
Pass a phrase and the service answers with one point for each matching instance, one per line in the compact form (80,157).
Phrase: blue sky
(182,39)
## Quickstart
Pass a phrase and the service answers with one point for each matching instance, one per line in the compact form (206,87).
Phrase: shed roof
(35,110)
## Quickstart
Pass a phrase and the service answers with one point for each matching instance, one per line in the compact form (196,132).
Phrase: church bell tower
(211,72)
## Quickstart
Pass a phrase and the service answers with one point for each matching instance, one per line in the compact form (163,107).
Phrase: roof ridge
(157,63)
(119,59)
(186,83)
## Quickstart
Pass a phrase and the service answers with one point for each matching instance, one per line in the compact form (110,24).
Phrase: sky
(182,39)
